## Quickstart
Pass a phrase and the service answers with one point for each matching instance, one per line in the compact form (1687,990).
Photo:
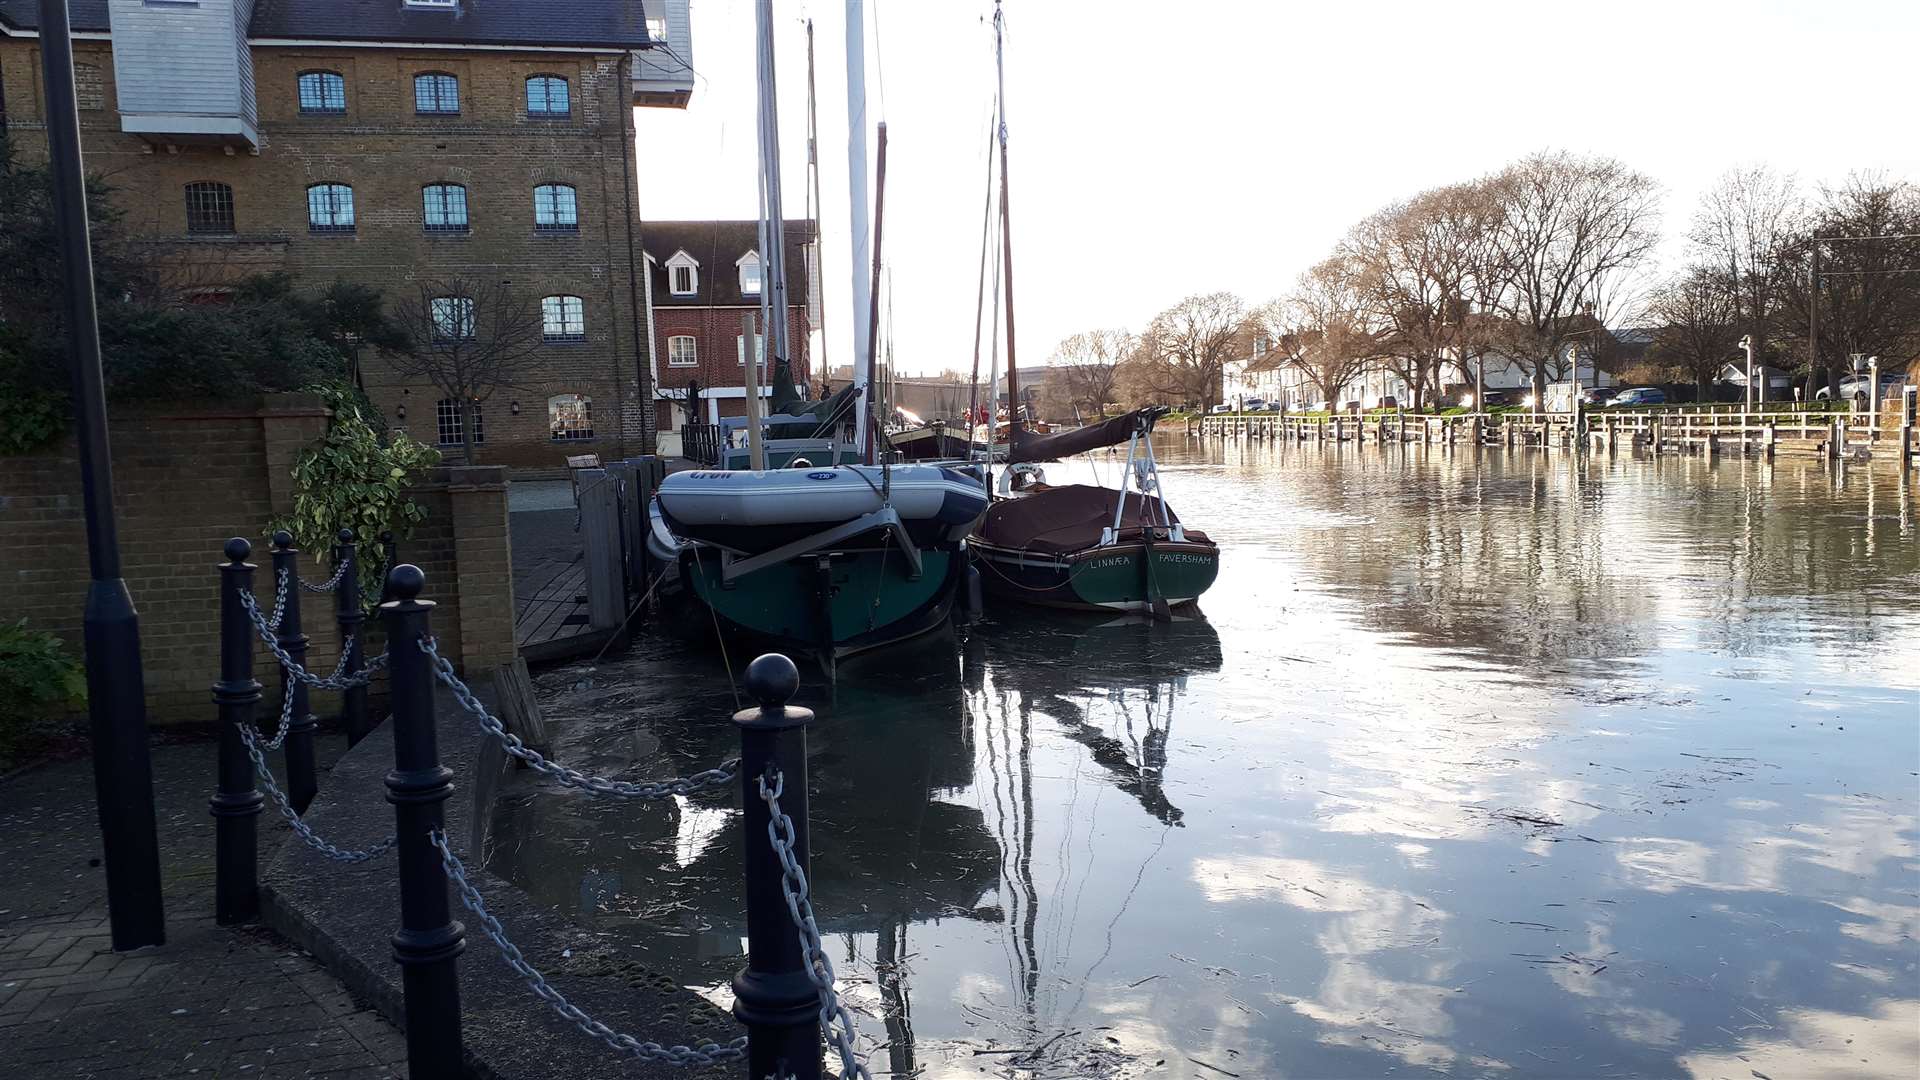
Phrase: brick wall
(387,154)
(717,354)
(187,479)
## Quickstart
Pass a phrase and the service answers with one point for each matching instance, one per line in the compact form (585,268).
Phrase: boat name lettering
(1177,557)
(1111,560)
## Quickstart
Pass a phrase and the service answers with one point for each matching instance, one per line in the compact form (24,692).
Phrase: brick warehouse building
(391,143)
(702,276)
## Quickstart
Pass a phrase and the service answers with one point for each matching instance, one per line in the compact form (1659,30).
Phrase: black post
(352,620)
(301,784)
(429,940)
(772,995)
(116,694)
(235,803)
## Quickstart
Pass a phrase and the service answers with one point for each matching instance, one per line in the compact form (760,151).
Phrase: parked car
(1388,402)
(1276,406)
(1639,395)
(1320,406)
(1487,400)
(1598,395)
(1255,404)
(1223,407)
(1858,387)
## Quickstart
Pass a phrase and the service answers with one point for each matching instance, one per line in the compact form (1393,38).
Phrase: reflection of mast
(1140,781)
(1031,915)
(895,996)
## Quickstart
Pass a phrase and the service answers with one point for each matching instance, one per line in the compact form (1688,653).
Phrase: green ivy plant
(39,684)
(354,479)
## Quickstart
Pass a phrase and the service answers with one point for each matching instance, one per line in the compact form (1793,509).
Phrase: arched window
(436,93)
(563,318)
(209,208)
(322,93)
(452,317)
(682,351)
(555,209)
(446,412)
(570,417)
(547,96)
(446,207)
(330,208)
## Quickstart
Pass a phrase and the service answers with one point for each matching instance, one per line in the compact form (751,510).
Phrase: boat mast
(873,306)
(1006,232)
(980,291)
(858,224)
(817,299)
(773,234)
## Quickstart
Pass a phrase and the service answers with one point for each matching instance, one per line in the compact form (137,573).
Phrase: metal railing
(785,996)
(701,443)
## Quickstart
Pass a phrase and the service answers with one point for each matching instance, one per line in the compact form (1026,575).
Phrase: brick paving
(212,1002)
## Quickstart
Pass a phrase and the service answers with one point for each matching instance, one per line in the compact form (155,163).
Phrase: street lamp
(1747,344)
(116,686)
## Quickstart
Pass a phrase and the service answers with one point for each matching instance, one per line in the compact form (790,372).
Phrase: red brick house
(701,277)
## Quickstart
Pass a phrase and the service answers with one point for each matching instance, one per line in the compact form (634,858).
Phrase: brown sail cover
(1030,447)
(1065,519)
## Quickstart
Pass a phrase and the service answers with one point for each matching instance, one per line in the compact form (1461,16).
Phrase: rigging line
(980,297)
(880,62)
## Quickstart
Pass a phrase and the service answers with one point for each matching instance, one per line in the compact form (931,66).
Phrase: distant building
(702,276)
(389,143)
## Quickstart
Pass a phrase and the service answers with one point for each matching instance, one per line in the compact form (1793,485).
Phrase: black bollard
(429,940)
(235,803)
(301,785)
(772,995)
(352,620)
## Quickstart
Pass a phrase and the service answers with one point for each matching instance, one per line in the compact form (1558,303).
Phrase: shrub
(39,685)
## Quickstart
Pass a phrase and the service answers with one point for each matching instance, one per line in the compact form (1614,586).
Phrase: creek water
(1490,763)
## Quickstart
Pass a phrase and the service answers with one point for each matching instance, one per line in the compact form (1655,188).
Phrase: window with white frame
(759,349)
(447,414)
(452,317)
(682,351)
(570,417)
(555,208)
(683,274)
(750,274)
(563,318)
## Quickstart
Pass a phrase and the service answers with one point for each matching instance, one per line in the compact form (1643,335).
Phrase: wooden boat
(1087,547)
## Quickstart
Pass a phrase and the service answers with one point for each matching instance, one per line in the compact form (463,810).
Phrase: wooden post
(600,538)
(1768,439)
(519,708)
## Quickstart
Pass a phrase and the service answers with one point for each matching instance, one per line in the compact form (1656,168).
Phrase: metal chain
(835,1021)
(704,1054)
(339,572)
(279,600)
(593,785)
(336,681)
(286,718)
(300,828)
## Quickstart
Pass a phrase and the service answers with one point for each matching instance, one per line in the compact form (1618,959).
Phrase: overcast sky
(1170,148)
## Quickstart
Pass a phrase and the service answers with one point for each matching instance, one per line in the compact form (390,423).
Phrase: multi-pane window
(209,208)
(446,207)
(547,96)
(683,281)
(555,209)
(563,318)
(447,413)
(322,92)
(452,317)
(436,93)
(570,417)
(759,349)
(330,208)
(750,275)
(681,351)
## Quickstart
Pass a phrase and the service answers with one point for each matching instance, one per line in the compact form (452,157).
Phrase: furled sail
(1030,447)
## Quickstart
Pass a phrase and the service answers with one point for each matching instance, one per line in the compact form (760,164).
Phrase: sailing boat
(821,557)
(1079,545)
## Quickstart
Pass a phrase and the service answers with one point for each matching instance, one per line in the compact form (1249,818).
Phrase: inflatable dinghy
(752,512)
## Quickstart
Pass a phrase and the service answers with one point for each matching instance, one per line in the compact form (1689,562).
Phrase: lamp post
(116,697)
(1746,343)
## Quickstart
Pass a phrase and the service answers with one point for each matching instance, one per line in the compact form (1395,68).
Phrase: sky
(1160,150)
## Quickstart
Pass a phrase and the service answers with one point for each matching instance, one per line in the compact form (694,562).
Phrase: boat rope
(721,640)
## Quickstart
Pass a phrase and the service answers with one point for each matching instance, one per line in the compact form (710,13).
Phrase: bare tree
(470,337)
(1191,342)
(1574,236)
(1744,224)
(1699,315)
(1869,286)
(1089,367)
(1320,329)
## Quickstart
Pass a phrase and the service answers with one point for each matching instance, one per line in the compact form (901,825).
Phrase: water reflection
(1480,763)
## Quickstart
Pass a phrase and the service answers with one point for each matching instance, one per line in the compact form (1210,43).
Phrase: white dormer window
(683,274)
(749,265)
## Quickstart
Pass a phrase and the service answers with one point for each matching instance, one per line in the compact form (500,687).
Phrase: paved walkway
(213,1001)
